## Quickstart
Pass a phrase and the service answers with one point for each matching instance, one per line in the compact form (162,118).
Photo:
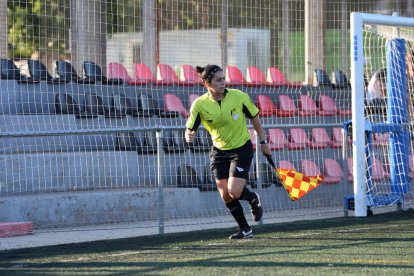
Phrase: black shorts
(235,162)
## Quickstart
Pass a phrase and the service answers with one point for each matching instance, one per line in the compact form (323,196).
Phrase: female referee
(223,113)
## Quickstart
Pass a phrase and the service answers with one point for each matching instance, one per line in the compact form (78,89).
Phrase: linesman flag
(295,183)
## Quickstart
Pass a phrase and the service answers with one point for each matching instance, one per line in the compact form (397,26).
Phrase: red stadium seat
(256,77)
(380,139)
(144,73)
(377,170)
(253,137)
(337,138)
(284,164)
(265,105)
(277,139)
(319,138)
(310,168)
(118,71)
(298,139)
(191,99)
(276,77)
(167,76)
(333,172)
(173,103)
(189,74)
(350,169)
(411,165)
(287,106)
(328,107)
(234,77)
(307,106)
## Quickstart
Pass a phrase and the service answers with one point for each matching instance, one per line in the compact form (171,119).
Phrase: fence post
(160,180)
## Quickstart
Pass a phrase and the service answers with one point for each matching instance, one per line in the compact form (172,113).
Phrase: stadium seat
(146,142)
(189,74)
(350,167)
(167,76)
(65,104)
(174,141)
(380,139)
(307,106)
(276,78)
(191,98)
(411,166)
(377,170)
(38,71)
(92,106)
(187,177)
(202,141)
(333,172)
(67,73)
(143,73)
(209,183)
(255,77)
(146,106)
(298,139)
(287,106)
(337,138)
(320,78)
(253,137)
(277,139)
(319,138)
(9,71)
(118,71)
(284,164)
(234,77)
(174,104)
(327,107)
(310,168)
(126,141)
(118,106)
(94,72)
(339,79)
(266,106)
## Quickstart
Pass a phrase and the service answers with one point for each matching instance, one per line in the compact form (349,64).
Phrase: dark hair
(207,73)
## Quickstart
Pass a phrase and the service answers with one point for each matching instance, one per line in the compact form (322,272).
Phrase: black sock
(236,210)
(247,195)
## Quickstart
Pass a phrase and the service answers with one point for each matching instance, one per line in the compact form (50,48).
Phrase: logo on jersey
(239,169)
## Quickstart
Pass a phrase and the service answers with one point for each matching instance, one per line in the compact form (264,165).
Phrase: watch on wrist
(263,142)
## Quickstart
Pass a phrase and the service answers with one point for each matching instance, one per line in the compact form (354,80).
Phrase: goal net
(382,95)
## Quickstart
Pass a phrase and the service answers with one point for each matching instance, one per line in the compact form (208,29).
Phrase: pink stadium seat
(298,139)
(173,103)
(319,138)
(276,77)
(378,171)
(191,99)
(333,172)
(253,137)
(284,164)
(118,71)
(350,169)
(327,107)
(144,73)
(265,105)
(337,138)
(310,168)
(287,106)
(380,139)
(307,106)
(167,76)
(189,74)
(256,77)
(411,166)
(234,77)
(277,139)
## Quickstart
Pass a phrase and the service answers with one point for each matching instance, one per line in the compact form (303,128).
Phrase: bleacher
(306,116)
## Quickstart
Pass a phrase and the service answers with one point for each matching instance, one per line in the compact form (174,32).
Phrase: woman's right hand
(189,135)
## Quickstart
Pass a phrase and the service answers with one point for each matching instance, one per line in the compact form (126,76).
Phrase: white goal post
(359,123)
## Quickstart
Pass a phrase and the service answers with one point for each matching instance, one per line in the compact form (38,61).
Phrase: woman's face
(218,82)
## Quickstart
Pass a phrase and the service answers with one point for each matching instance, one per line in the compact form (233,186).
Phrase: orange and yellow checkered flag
(295,183)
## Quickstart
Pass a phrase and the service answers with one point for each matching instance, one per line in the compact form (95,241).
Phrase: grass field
(382,245)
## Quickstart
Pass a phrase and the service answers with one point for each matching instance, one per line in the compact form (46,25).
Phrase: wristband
(263,142)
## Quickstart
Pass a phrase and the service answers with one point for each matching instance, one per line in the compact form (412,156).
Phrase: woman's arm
(262,135)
